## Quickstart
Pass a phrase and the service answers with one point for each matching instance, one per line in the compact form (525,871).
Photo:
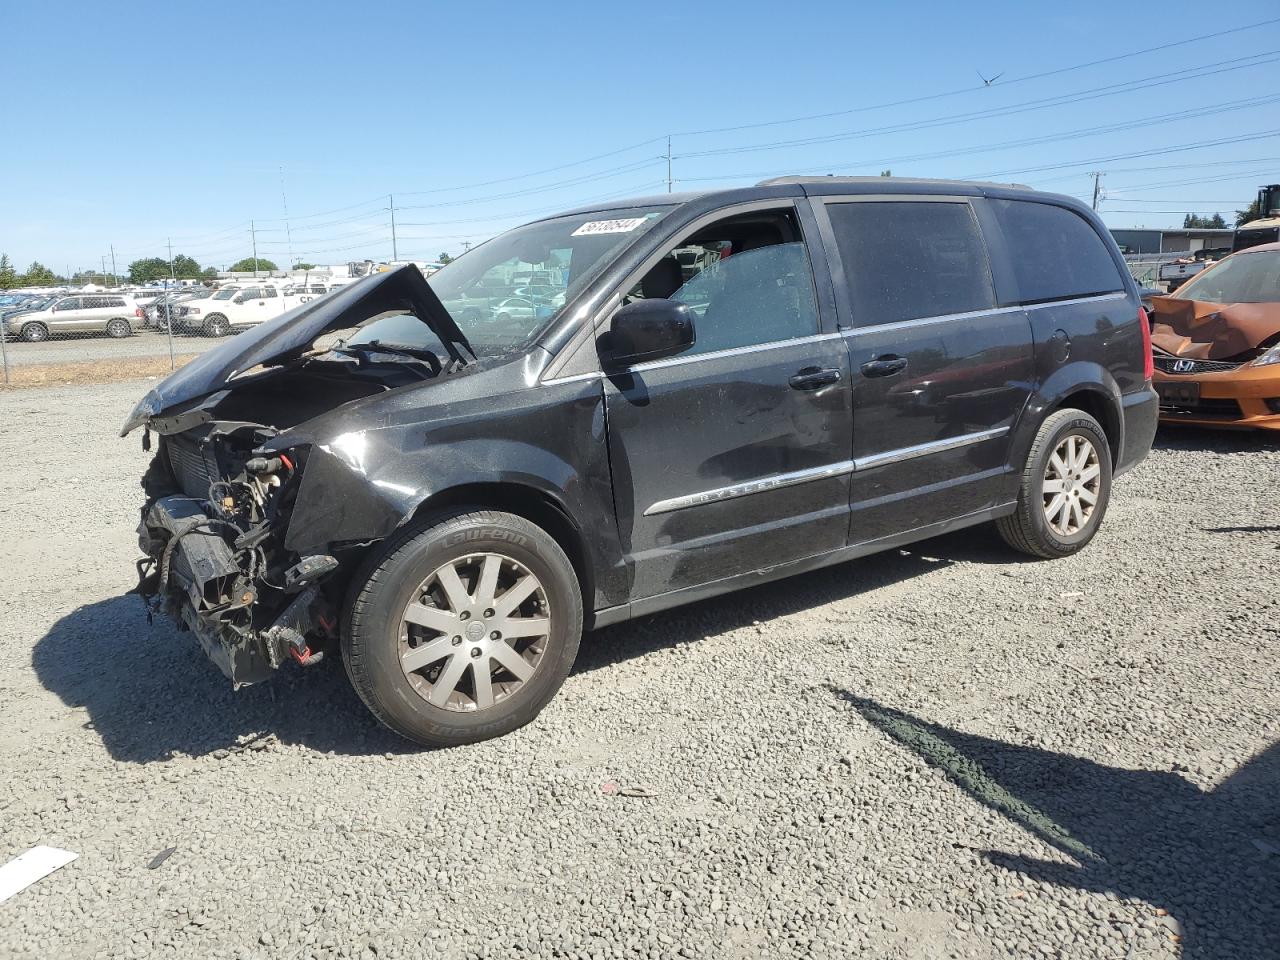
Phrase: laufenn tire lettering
(486,533)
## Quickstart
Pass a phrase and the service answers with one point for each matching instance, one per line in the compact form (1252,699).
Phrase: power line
(972,89)
(1028,141)
(1044,103)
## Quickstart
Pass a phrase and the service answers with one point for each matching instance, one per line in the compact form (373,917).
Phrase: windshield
(1243,278)
(505,292)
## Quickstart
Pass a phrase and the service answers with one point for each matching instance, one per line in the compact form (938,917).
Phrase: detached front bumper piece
(205,581)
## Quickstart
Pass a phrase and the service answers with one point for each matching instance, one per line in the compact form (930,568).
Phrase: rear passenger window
(1056,253)
(906,261)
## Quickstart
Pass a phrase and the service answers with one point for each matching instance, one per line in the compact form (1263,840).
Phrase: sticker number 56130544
(608,226)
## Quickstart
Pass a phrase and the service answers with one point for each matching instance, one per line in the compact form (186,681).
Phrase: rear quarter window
(910,260)
(1056,253)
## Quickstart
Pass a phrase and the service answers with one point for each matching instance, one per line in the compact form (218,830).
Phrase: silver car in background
(114,314)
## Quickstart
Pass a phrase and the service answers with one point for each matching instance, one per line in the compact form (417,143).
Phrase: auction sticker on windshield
(608,226)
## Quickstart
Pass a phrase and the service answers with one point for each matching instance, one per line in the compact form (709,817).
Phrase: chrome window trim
(994,311)
(1092,298)
(751,486)
(730,352)
(552,381)
(926,449)
(779,480)
(925,321)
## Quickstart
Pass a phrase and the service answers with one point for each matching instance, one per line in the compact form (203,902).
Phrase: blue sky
(127,124)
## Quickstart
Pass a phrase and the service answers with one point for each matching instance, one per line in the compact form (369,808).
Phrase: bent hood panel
(1200,330)
(291,334)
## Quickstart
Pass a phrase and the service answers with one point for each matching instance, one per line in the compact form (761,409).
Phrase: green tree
(304,266)
(444,258)
(247,265)
(38,275)
(185,268)
(8,276)
(148,269)
(886,173)
(209,273)
(1194,221)
(1251,212)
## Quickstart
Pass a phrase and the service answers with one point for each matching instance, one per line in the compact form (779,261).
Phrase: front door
(733,456)
(940,372)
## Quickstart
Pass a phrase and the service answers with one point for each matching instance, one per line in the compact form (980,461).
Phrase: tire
(435,698)
(119,329)
(502,318)
(1029,528)
(35,333)
(215,325)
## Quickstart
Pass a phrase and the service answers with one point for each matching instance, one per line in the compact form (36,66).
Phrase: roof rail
(832,178)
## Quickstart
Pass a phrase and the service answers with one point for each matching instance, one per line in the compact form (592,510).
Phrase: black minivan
(450,480)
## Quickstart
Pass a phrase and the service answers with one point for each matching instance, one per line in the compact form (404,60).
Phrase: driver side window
(747,280)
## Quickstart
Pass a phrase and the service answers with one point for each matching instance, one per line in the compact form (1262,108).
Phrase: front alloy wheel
(475,632)
(462,628)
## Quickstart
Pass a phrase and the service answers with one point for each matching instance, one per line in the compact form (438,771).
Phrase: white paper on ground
(24,870)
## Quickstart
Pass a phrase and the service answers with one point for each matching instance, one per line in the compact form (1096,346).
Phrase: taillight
(1148,361)
(137,312)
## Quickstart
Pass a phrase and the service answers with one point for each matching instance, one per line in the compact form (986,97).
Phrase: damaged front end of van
(262,486)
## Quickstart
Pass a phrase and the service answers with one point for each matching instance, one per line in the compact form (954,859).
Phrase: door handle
(885,366)
(811,378)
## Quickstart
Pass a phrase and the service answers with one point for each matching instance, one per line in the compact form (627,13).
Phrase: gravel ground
(79,347)
(940,752)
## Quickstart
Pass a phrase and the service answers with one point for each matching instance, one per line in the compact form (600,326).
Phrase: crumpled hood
(289,335)
(1200,330)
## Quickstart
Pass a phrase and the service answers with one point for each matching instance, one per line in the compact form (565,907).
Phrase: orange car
(1216,344)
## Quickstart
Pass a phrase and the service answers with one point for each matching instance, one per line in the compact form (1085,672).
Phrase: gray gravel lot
(941,752)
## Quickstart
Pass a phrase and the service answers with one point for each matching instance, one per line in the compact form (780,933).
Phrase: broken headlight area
(213,533)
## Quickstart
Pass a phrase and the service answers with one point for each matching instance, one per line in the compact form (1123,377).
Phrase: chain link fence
(54,337)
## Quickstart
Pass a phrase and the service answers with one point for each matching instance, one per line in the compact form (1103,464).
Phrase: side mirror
(648,330)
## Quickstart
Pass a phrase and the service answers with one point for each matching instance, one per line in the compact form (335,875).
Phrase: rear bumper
(1247,398)
(1141,414)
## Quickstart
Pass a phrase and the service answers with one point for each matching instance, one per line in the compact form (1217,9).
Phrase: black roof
(798,186)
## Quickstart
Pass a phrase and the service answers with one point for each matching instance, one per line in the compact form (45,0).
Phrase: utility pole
(1097,188)
(253,237)
(288,233)
(391,205)
(466,246)
(168,304)
(668,164)
(114,276)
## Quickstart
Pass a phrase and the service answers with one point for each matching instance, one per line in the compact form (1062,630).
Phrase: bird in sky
(985,81)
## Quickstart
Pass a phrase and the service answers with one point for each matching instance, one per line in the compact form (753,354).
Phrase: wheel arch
(524,500)
(1099,405)
(1088,387)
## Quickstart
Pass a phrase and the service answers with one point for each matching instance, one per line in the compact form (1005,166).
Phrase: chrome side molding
(779,480)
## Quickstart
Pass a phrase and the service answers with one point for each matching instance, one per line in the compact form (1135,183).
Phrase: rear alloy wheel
(1065,488)
(216,325)
(118,328)
(464,630)
(1072,480)
(35,333)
